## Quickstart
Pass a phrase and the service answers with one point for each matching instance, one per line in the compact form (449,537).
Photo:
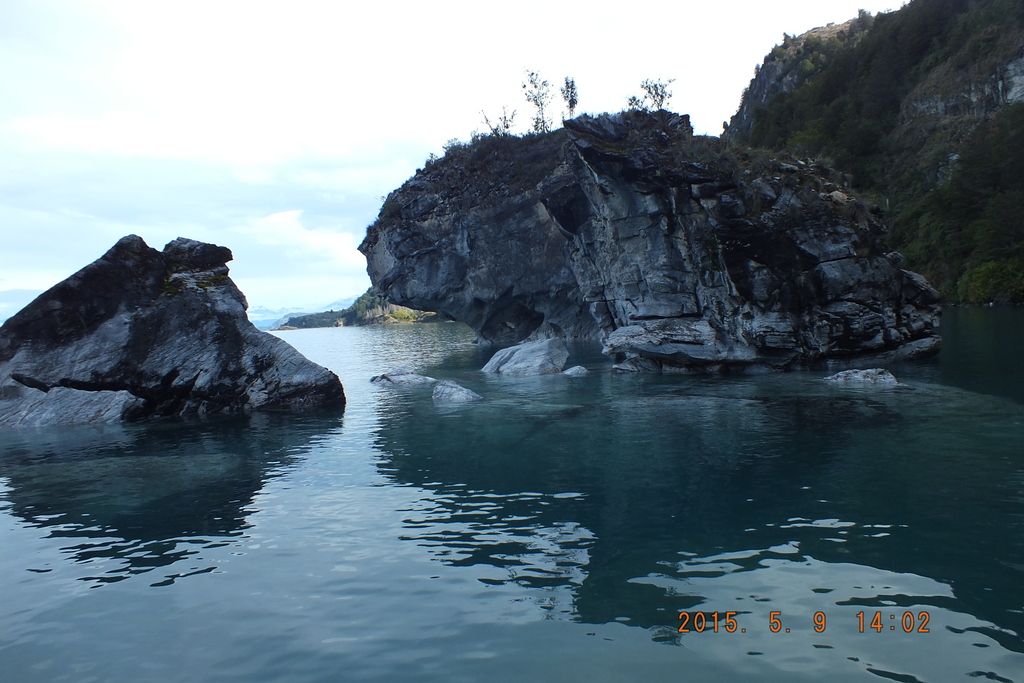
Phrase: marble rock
(141,333)
(674,250)
(447,391)
(543,357)
(871,376)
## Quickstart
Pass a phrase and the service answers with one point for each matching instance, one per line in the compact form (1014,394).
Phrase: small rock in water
(872,376)
(576,371)
(543,357)
(402,377)
(447,391)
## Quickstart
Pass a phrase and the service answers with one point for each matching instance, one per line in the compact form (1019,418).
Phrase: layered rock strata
(142,333)
(680,252)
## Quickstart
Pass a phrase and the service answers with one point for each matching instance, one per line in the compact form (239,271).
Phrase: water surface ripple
(555,531)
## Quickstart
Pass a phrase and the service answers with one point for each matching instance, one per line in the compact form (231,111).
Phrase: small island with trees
(372,308)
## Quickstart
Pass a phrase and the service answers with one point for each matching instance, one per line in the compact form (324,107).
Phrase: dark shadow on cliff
(148,496)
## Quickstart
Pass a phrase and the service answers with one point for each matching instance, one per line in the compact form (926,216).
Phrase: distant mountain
(924,107)
(340,303)
(267,319)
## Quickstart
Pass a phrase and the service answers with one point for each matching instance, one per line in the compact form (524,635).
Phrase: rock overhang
(635,222)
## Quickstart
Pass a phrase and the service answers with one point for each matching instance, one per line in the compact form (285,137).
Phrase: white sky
(274,128)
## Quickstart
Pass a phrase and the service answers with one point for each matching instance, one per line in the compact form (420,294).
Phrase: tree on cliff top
(571,96)
(656,94)
(538,93)
(503,126)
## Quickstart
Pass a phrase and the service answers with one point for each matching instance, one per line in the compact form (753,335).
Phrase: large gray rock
(543,357)
(679,252)
(447,391)
(141,333)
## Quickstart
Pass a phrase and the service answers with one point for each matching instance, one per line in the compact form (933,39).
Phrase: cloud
(60,211)
(314,265)
(274,129)
(322,249)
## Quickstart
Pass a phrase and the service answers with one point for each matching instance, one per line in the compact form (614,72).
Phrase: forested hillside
(924,108)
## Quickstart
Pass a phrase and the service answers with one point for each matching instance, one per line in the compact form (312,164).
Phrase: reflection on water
(130,499)
(981,351)
(701,467)
(553,532)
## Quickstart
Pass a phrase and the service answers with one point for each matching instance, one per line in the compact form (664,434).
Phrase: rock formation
(141,333)
(870,377)
(924,107)
(543,357)
(447,391)
(681,252)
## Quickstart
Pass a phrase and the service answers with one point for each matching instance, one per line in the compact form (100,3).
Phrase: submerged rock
(141,333)
(447,391)
(576,371)
(544,357)
(680,252)
(870,376)
(402,377)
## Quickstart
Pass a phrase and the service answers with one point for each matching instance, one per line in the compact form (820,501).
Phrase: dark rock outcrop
(141,333)
(681,252)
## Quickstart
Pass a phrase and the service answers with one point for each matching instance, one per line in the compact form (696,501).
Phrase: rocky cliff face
(938,116)
(923,109)
(142,333)
(679,252)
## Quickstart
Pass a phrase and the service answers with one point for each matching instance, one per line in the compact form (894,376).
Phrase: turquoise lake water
(553,532)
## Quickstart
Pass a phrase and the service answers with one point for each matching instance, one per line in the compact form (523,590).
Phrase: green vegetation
(889,108)
(208,281)
(172,286)
(968,230)
(503,126)
(372,308)
(849,98)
